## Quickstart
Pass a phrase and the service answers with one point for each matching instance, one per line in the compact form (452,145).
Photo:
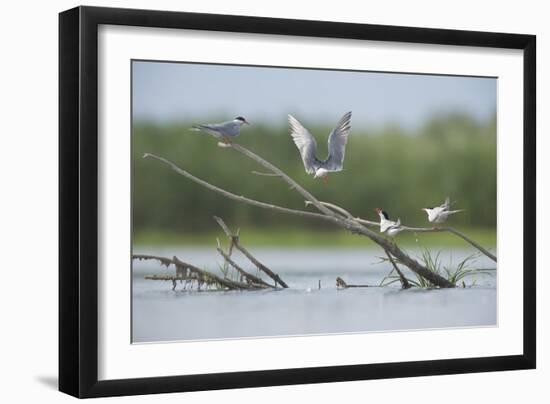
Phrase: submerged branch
(341,284)
(188,272)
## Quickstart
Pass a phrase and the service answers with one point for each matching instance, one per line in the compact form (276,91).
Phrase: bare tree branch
(404,282)
(249,277)
(239,197)
(413,229)
(294,185)
(195,274)
(455,232)
(265,174)
(235,242)
(336,208)
(329,215)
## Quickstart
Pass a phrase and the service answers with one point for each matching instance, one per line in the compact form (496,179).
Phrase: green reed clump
(455,274)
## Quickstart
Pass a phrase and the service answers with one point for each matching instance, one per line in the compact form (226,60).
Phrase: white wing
(305,143)
(447,213)
(385,225)
(337,141)
(447,204)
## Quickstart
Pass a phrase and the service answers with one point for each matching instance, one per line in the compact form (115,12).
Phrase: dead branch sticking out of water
(235,242)
(249,278)
(192,275)
(341,284)
(404,282)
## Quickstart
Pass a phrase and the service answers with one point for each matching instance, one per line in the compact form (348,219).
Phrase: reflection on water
(160,314)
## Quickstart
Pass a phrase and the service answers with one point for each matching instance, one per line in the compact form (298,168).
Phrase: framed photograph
(252,201)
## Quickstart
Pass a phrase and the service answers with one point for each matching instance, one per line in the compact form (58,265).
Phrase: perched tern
(307,146)
(441,213)
(388,226)
(224,130)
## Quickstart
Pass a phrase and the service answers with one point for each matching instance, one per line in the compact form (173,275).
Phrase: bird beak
(248,123)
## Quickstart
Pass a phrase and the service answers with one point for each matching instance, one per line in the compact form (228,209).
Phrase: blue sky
(197,92)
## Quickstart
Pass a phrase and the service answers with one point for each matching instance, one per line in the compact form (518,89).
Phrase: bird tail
(451,212)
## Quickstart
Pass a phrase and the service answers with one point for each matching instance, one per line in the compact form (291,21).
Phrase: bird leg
(325,179)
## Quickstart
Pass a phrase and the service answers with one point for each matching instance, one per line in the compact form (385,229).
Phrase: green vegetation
(389,168)
(456,274)
(303,237)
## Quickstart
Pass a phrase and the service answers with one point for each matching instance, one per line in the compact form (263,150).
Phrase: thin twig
(336,208)
(284,176)
(239,198)
(265,174)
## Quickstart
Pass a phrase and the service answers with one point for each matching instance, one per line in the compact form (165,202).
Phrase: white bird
(224,130)
(388,226)
(307,146)
(441,213)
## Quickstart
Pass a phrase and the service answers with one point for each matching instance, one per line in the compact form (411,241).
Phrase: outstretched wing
(385,225)
(305,143)
(447,204)
(337,143)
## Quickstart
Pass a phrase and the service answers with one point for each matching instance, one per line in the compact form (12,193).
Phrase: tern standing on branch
(225,130)
(388,226)
(307,146)
(440,214)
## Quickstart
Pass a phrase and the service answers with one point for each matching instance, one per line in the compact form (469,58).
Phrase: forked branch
(235,242)
(327,214)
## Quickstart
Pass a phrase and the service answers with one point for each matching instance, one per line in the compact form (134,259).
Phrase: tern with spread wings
(306,144)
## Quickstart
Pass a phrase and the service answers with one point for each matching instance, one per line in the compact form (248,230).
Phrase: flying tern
(388,226)
(441,213)
(307,146)
(225,130)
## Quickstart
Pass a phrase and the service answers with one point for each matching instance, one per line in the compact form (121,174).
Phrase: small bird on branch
(388,226)
(440,214)
(225,130)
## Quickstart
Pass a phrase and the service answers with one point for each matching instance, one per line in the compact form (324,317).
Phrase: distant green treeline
(388,168)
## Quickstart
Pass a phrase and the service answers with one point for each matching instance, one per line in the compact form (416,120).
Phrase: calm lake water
(161,314)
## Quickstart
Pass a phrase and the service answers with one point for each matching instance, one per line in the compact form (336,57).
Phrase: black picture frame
(78,201)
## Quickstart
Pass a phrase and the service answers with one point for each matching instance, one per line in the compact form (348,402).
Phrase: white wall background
(28,202)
